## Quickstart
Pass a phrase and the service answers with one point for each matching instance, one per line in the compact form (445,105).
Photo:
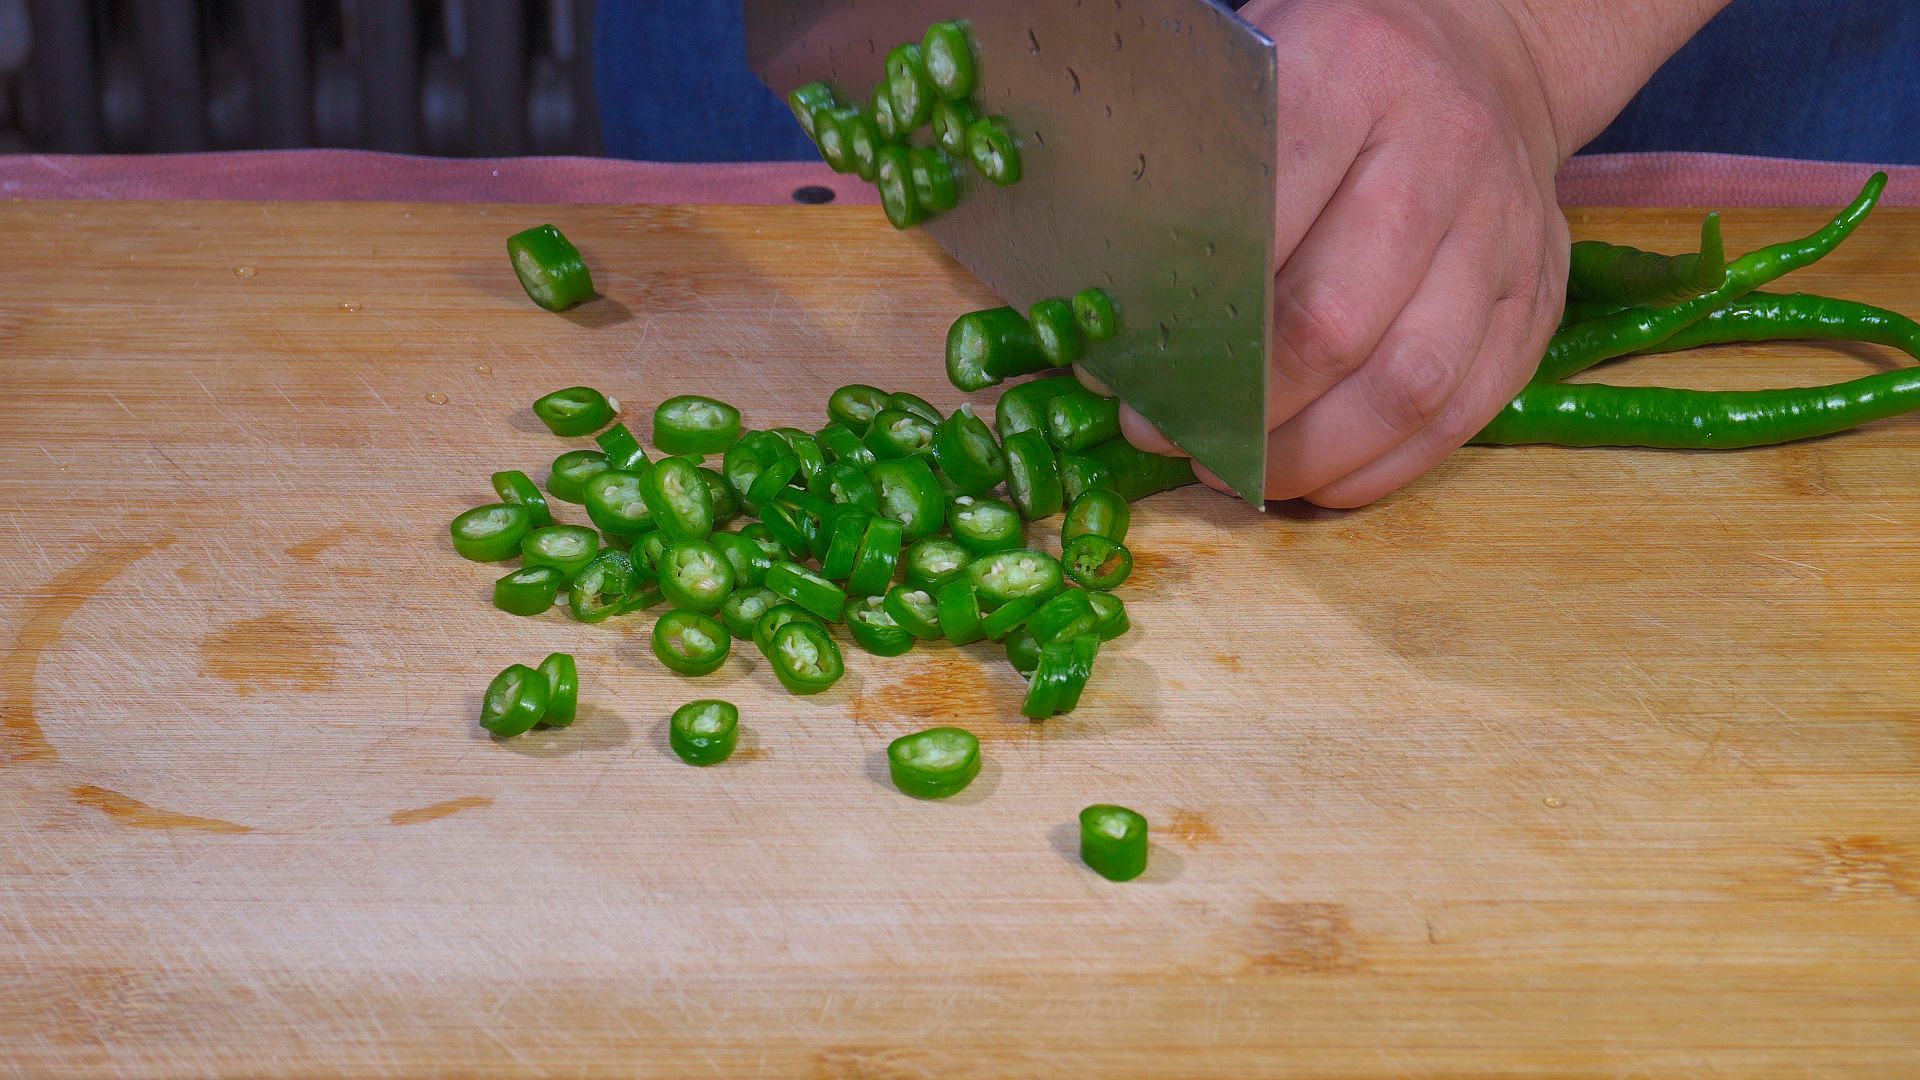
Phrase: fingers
(1140,431)
(1412,375)
(1092,382)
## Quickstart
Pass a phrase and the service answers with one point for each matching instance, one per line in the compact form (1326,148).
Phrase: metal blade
(1147,144)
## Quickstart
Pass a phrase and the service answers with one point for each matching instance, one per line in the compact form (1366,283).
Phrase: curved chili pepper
(1764,316)
(1630,277)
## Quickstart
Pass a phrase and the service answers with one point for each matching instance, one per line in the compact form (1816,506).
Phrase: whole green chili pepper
(1762,316)
(1629,277)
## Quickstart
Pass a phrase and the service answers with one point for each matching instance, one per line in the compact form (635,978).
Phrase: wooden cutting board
(1557,763)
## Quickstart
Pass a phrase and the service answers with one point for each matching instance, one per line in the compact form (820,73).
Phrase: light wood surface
(1567,763)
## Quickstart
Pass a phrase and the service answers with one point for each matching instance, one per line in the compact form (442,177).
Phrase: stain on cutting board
(1192,828)
(439,810)
(945,690)
(281,650)
(1308,936)
(132,812)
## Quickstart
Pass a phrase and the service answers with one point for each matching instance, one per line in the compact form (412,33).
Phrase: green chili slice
(804,658)
(704,732)
(874,629)
(776,617)
(1023,650)
(566,548)
(652,547)
(951,119)
(879,556)
(845,482)
(690,643)
(885,120)
(1009,617)
(842,443)
(720,495)
(1048,686)
(571,471)
(676,496)
(1079,419)
(695,576)
(748,558)
(855,405)
(563,689)
(913,608)
(936,560)
(1094,312)
(550,269)
(1097,562)
(1024,407)
(909,86)
(1097,513)
(914,404)
(968,454)
(947,53)
(577,410)
(831,136)
(847,528)
(529,590)
(615,504)
(1065,617)
(623,451)
(490,533)
(893,175)
(808,589)
(1057,332)
(1033,476)
(984,526)
(1113,615)
(786,525)
(514,486)
(1006,576)
(515,700)
(934,763)
(741,610)
(806,448)
(691,424)
(993,150)
(810,515)
(936,187)
(1133,473)
(806,101)
(958,605)
(601,587)
(897,433)
(1113,841)
(985,347)
(909,494)
(1080,474)
(864,143)
(746,459)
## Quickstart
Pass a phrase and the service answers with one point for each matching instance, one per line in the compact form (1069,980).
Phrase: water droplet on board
(243,271)
(1554,801)
(484,369)
(437,398)
(349,305)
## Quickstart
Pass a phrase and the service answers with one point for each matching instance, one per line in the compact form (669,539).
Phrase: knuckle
(1414,389)
(1320,336)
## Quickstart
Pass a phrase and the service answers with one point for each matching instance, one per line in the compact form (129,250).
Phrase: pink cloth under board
(1703,180)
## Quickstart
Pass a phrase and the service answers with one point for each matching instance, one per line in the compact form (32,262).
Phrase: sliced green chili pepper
(1058,680)
(704,732)
(1113,841)
(1065,617)
(914,404)
(1079,419)
(652,547)
(690,643)
(806,101)
(914,609)
(936,187)
(813,460)
(864,144)
(1024,407)
(855,406)
(808,589)
(577,410)
(1058,334)
(750,561)
(897,433)
(1093,311)
(695,576)
(909,87)
(514,486)
(747,459)
(1086,649)
(1006,576)
(1033,476)
(563,689)
(885,121)
(550,269)
(958,605)
(847,529)
(763,539)
(809,514)
(936,560)
(1080,474)
(614,503)
(566,548)
(948,56)
(843,445)
(691,424)
(1629,277)
(1099,513)
(1008,617)
(893,175)
(804,658)
(776,617)
(1096,561)
(529,590)
(774,479)
(879,556)
(984,526)
(986,347)
(571,471)
(741,610)
(1113,615)
(951,119)
(490,533)
(786,525)
(1131,472)
(909,494)
(874,630)
(601,587)
(1023,650)
(968,454)
(830,134)
(934,763)
(992,149)
(846,482)
(676,496)
(622,449)
(515,700)
(720,496)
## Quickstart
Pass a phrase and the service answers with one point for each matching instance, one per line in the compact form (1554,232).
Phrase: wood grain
(1566,763)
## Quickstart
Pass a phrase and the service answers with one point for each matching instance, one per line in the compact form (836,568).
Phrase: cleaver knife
(1147,140)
